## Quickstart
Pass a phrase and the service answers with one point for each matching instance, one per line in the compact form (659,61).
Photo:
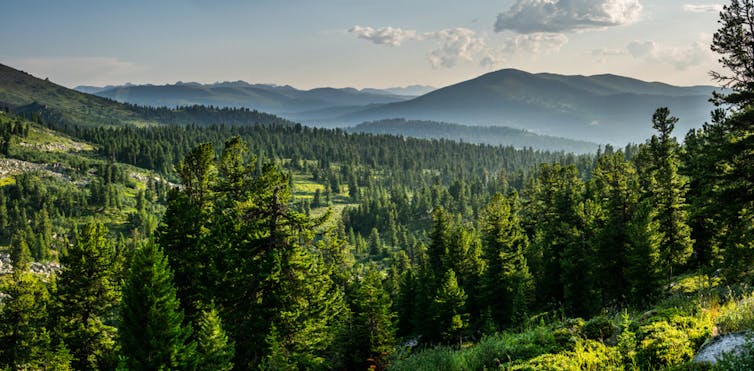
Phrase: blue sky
(355,43)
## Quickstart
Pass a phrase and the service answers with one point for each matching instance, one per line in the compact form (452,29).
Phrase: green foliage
(20,255)
(25,342)
(373,330)
(586,355)
(598,328)
(448,309)
(489,352)
(87,298)
(663,345)
(151,333)
(213,349)
(508,287)
(737,315)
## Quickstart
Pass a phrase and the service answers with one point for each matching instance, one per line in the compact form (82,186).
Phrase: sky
(355,43)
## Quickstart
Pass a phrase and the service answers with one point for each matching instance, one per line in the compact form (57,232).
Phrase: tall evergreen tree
(615,187)
(151,333)
(87,298)
(668,194)
(373,334)
(642,270)
(508,287)
(25,342)
(214,350)
(449,315)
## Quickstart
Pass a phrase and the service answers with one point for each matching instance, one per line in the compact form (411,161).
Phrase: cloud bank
(383,36)
(681,58)
(559,16)
(706,8)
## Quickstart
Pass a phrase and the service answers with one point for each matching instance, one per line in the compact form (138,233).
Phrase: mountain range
(277,99)
(601,108)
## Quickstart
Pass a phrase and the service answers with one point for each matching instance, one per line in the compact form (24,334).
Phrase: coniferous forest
(197,245)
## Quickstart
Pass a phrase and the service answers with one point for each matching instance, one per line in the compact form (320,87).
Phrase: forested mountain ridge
(601,108)
(240,94)
(492,135)
(25,94)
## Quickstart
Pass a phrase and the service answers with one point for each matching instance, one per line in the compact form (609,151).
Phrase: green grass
(49,141)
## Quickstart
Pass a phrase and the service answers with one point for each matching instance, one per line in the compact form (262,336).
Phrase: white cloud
(557,16)
(681,58)
(536,43)
(703,8)
(607,52)
(462,45)
(383,36)
(71,71)
(453,45)
(458,44)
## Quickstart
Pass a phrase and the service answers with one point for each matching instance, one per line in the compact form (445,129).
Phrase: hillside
(601,108)
(269,98)
(492,135)
(29,95)
(26,93)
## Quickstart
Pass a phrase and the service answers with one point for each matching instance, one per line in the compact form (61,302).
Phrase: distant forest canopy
(492,135)
(279,246)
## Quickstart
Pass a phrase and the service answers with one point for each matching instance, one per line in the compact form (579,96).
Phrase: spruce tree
(450,317)
(642,270)
(20,255)
(87,298)
(214,350)
(373,334)
(507,285)
(25,342)
(669,192)
(151,333)
(615,187)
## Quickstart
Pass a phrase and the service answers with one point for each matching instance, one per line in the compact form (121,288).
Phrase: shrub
(663,346)
(587,355)
(568,333)
(598,328)
(737,316)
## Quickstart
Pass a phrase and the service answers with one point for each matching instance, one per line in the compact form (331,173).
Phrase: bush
(663,345)
(569,333)
(598,328)
(587,355)
(737,316)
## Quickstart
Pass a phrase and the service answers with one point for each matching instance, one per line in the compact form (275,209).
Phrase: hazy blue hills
(269,98)
(26,94)
(601,108)
(493,135)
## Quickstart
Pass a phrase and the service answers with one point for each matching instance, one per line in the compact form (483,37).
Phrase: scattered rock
(714,349)
(48,268)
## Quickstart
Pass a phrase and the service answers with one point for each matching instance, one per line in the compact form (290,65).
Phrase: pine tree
(151,333)
(615,188)
(20,255)
(87,297)
(25,342)
(676,245)
(552,215)
(642,270)
(449,315)
(373,334)
(214,350)
(508,287)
